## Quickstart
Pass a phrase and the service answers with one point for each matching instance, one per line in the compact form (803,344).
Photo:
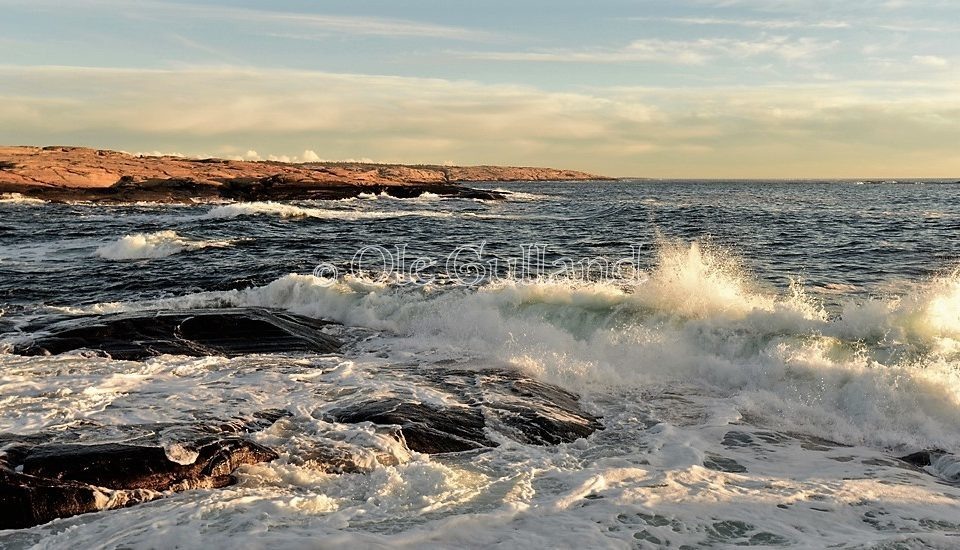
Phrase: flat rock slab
(225,332)
(477,406)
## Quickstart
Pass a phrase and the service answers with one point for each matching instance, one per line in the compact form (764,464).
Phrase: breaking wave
(883,372)
(285,210)
(18,198)
(160,244)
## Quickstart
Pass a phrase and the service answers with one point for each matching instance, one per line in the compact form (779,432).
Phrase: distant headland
(62,174)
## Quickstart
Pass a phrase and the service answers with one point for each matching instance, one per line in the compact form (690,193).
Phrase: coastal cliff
(77,173)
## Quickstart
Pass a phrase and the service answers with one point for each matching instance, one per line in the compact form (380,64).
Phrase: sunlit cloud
(930,60)
(684,52)
(847,129)
(770,24)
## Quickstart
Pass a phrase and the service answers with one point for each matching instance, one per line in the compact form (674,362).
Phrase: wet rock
(227,332)
(723,464)
(921,459)
(345,459)
(26,501)
(532,412)
(475,404)
(423,428)
(53,481)
(938,463)
(124,466)
(43,478)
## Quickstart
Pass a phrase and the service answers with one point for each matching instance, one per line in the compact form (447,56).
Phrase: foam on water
(734,414)
(285,210)
(882,374)
(160,244)
(18,198)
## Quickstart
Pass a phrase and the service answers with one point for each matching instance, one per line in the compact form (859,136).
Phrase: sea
(761,355)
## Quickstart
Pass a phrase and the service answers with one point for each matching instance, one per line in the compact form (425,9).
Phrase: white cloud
(684,52)
(346,24)
(930,60)
(309,156)
(751,23)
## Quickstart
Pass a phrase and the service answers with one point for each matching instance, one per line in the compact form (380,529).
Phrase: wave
(513,195)
(422,197)
(160,244)
(284,210)
(19,198)
(884,372)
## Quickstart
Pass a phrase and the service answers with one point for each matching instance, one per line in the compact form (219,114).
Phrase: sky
(644,88)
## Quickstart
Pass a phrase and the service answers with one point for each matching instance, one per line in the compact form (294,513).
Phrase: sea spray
(699,319)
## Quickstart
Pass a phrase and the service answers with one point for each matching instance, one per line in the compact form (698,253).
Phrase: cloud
(309,156)
(345,24)
(930,60)
(683,52)
(771,24)
(849,129)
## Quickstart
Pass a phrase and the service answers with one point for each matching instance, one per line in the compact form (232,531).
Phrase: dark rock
(938,463)
(42,478)
(26,501)
(344,459)
(228,332)
(533,412)
(123,466)
(723,464)
(423,428)
(153,434)
(477,402)
(920,459)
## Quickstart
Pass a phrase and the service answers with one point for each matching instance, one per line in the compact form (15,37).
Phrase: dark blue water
(827,233)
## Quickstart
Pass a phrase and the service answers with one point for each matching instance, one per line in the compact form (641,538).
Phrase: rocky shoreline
(90,468)
(68,174)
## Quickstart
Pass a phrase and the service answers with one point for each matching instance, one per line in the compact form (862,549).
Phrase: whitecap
(160,244)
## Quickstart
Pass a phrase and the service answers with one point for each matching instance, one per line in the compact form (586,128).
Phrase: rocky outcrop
(77,173)
(226,332)
(479,406)
(43,478)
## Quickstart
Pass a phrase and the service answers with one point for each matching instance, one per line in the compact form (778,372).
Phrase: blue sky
(686,88)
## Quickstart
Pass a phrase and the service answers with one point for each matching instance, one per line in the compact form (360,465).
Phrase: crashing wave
(160,244)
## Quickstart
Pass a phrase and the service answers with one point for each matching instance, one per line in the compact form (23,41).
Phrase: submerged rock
(423,428)
(228,332)
(42,478)
(475,406)
(936,462)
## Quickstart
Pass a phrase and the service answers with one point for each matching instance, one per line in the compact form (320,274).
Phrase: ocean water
(761,354)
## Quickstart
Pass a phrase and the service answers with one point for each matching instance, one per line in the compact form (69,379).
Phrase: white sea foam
(152,245)
(883,373)
(678,384)
(641,479)
(521,196)
(19,198)
(285,210)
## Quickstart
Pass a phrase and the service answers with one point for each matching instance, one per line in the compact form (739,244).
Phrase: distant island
(61,174)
